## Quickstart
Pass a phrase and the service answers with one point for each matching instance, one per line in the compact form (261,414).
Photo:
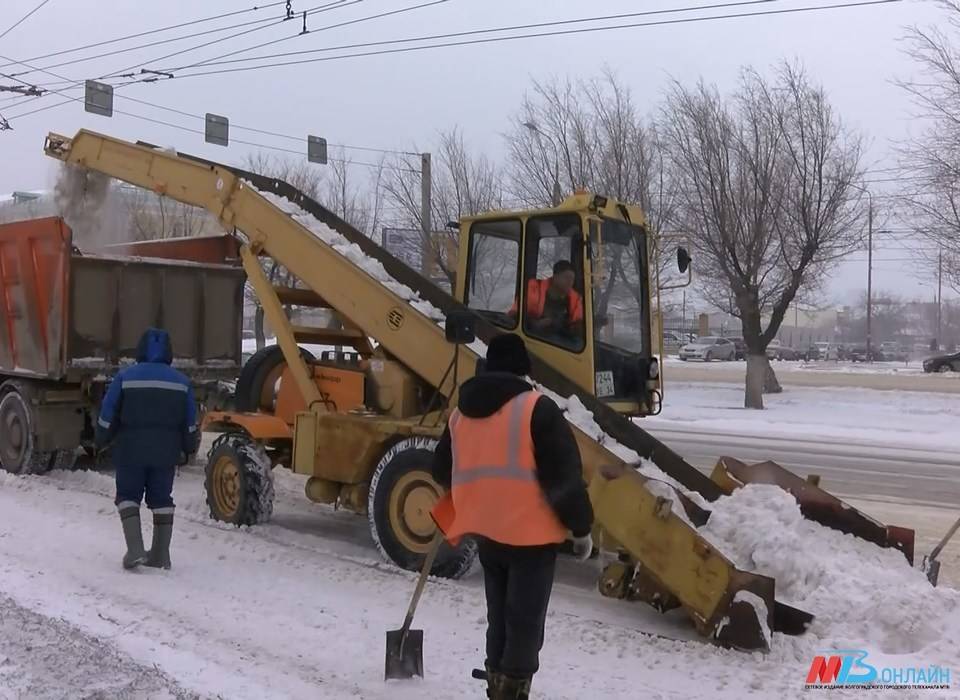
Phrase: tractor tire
(254,374)
(239,481)
(17,452)
(402,492)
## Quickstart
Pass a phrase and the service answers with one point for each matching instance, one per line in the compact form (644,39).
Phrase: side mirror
(683,259)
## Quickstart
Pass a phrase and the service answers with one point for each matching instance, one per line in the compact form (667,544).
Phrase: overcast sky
(395,101)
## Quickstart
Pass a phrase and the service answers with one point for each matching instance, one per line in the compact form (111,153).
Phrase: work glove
(583,547)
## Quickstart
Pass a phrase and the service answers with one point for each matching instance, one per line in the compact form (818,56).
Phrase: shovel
(405,646)
(930,566)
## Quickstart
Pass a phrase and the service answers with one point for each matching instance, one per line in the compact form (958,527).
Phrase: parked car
(827,350)
(942,363)
(709,348)
(778,351)
(740,345)
(671,340)
(858,353)
(894,352)
(809,353)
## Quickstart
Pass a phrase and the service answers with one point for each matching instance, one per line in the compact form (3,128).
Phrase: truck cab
(573,281)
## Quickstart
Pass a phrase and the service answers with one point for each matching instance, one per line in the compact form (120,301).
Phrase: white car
(671,340)
(827,351)
(709,348)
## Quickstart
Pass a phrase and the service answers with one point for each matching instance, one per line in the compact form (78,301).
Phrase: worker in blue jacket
(150,417)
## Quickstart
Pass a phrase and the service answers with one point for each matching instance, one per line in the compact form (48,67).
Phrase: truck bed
(65,315)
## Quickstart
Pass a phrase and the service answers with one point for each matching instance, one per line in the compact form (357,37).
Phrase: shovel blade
(931,567)
(404,655)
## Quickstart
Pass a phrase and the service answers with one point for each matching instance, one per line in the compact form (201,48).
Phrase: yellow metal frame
(666,546)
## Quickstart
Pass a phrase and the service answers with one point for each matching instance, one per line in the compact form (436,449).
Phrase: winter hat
(507,353)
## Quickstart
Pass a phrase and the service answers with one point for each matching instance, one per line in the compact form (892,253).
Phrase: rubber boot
(491,678)
(130,520)
(511,688)
(159,554)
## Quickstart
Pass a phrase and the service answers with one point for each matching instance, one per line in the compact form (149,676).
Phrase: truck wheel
(254,383)
(402,493)
(17,453)
(239,482)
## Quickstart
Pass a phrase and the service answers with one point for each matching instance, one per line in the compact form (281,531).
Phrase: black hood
(486,393)
(154,346)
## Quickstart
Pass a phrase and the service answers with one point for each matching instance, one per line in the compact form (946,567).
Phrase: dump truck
(361,426)
(69,320)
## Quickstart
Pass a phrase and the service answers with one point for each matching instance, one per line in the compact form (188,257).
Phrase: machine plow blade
(815,503)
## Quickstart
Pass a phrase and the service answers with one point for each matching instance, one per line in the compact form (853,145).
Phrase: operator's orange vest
(537,301)
(494,491)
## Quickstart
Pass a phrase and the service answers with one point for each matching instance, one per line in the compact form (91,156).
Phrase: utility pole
(683,319)
(869,278)
(939,293)
(556,195)
(426,214)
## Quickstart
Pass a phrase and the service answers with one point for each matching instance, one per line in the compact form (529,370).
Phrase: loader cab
(573,281)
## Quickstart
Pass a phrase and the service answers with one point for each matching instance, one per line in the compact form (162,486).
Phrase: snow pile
(860,593)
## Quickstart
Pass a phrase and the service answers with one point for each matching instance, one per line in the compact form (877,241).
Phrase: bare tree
(344,194)
(589,134)
(153,216)
(462,185)
(931,159)
(769,191)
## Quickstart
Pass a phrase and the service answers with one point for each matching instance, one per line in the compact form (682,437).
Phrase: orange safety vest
(494,491)
(537,301)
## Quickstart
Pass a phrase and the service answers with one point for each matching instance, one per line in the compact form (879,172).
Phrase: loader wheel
(259,375)
(17,453)
(402,493)
(239,482)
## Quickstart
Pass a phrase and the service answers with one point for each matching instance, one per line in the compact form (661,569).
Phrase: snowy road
(298,609)
(864,470)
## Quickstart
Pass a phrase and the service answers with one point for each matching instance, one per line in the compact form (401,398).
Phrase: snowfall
(299,607)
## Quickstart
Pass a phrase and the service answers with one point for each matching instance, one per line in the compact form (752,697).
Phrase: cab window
(494,266)
(553,281)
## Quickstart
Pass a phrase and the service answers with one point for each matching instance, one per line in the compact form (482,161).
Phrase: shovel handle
(421,581)
(946,538)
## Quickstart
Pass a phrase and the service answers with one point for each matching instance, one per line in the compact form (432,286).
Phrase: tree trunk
(258,328)
(757,368)
(771,385)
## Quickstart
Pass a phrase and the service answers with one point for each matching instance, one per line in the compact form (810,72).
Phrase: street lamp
(869,267)
(532,126)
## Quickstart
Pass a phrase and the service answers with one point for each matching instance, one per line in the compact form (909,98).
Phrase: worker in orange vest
(553,305)
(511,465)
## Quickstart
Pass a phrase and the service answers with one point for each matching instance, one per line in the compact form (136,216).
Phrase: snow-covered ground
(298,608)
(912,419)
(908,368)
